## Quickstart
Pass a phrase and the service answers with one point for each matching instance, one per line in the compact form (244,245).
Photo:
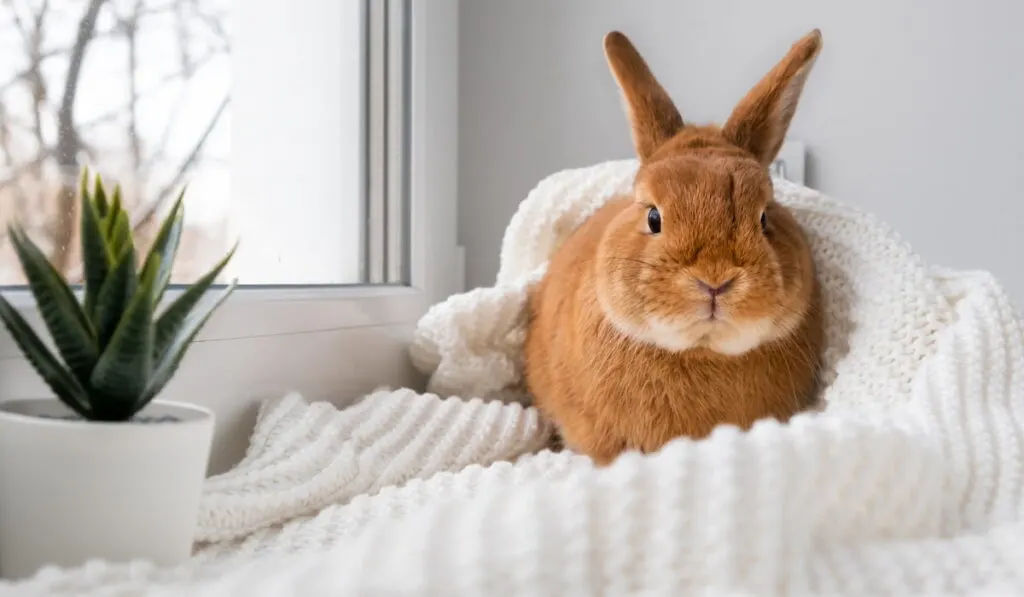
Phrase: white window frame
(328,343)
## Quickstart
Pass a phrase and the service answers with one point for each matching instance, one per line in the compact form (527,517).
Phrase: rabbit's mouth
(712,311)
(714,329)
(714,323)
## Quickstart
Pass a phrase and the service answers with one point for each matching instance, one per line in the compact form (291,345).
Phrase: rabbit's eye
(764,222)
(654,220)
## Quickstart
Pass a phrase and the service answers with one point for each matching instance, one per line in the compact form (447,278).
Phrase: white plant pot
(73,491)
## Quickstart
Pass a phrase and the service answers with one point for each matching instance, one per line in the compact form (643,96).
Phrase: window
(320,135)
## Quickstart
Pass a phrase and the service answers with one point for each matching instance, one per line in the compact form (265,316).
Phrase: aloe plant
(117,349)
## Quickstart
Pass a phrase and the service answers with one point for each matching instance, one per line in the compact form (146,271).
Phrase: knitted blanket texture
(909,480)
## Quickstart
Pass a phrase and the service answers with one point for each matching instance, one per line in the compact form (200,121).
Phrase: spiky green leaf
(121,235)
(165,367)
(112,217)
(63,383)
(166,244)
(96,257)
(99,194)
(116,198)
(170,322)
(115,296)
(123,370)
(100,201)
(151,267)
(71,330)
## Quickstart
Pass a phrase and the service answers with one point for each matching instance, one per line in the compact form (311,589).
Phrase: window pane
(264,111)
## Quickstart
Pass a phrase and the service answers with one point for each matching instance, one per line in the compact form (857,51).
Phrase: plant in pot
(103,469)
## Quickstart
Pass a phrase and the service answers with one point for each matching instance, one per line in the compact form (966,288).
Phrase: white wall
(915,109)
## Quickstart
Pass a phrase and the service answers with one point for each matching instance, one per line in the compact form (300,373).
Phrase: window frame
(327,342)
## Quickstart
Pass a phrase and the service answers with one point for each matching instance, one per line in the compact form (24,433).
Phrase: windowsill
(261,312)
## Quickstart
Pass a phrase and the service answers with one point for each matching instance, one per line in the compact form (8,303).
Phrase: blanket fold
(305,457)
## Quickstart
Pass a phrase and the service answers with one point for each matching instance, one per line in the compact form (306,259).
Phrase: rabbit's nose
(714,291)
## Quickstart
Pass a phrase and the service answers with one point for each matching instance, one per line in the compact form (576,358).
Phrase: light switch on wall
(789,164)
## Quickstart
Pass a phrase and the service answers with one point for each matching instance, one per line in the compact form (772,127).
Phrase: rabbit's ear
(652,115)
(760,121)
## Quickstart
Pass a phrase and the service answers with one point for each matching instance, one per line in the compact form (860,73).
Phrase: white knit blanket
(911,482)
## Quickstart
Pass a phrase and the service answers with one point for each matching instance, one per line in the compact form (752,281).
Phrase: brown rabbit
(694,301)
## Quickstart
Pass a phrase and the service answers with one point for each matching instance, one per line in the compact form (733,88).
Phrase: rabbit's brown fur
(626,347)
